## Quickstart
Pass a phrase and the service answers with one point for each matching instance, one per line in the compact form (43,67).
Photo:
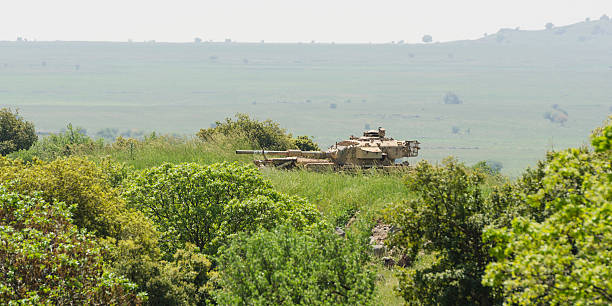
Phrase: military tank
(372,150)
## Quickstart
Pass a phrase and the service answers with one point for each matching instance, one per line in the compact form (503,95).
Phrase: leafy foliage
(602,138)
(266,135)
(490,167)
(305,143)
(183,281)
(64,144)
(15,133)
(75,181)
(564,255)
(287,266)
(440,231)
(131,241)
(45,259)
(203,205)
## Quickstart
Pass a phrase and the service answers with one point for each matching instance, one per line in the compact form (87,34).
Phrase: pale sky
(340,21)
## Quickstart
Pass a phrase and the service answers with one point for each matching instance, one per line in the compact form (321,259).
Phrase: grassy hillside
(338,196)
(507,82)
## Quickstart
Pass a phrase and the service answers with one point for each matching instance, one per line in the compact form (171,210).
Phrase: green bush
(203,205)
(561,254)
(128,236)
(285,266)
(305,143)
(185,280)
(45,259)
(70,142)
(15,133)
(266,135)
(75,181)
(440,232)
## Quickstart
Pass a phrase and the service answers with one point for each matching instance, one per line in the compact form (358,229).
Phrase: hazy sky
(283,20)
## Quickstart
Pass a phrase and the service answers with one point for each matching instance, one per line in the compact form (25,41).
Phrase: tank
(372,150)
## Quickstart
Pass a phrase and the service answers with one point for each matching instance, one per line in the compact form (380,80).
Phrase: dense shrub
(185,280)
(15,133)
(285,266)
(75,181)
(266,134)
(561,254)
(440,231)
(63,144)
(129,237)
(45,259)
(203,205)
(305,143)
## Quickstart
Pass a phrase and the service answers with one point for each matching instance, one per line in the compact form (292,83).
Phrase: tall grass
(339,195)
(168,149)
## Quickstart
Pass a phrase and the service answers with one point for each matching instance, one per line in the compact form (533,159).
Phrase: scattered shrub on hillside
(440,232)
(15,133)
(261,134)
(64,144)
(452,98)
(45,259)
(556,115)
(203,205)
(306,143)
(286,266)
(563,255)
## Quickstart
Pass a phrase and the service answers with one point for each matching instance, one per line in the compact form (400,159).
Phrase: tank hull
(372,150)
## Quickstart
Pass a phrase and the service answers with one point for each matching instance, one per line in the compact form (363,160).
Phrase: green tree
(285,266)
(266,134)
(15,133)
(564,255)
(203,205)
(45,259)
(306,143)
(440,232)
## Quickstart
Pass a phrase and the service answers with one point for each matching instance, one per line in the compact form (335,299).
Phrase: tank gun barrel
(292,153)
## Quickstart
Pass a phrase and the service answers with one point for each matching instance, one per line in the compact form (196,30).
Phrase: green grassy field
(507,81)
